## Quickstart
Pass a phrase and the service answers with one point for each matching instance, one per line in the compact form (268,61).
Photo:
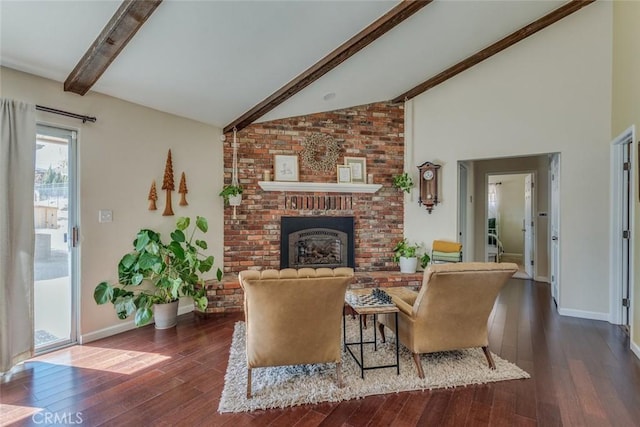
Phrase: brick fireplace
(252,240)
(316,241)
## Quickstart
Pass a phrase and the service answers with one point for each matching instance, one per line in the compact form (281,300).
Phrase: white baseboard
(123,327)
(635,349)
(593,315)
(512,254)
(187,308)
(543,279)
(107,332)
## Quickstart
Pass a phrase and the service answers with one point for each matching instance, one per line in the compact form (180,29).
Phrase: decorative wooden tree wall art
(182,189)
(168,185)
(153,196)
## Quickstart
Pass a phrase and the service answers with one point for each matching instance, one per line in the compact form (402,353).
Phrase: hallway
(517,259)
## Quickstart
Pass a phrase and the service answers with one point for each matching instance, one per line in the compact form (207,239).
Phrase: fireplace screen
(317,247)
(316,242)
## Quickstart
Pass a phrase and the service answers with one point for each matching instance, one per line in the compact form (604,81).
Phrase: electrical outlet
(105,215)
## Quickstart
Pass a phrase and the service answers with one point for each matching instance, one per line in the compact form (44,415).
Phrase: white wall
(549,93)
(119,156)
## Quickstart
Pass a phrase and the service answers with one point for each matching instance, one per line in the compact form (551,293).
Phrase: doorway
(622,198)
(462,208)
(55,218)
(527,224)
(509,221)
(554,225)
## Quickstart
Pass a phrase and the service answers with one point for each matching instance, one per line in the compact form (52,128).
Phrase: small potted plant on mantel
(232,194)
(156,274)
(403,182)
(407,255)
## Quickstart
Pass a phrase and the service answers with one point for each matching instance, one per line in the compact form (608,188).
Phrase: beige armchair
(451,309)
(294,317)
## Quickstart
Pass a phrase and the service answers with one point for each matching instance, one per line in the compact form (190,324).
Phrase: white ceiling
(212,61)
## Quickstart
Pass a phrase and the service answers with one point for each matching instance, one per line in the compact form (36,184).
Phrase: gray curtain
(17,166)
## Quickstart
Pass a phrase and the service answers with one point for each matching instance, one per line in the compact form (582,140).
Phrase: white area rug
(281,387)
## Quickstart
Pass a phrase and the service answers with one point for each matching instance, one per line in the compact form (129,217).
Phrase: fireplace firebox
(317,241)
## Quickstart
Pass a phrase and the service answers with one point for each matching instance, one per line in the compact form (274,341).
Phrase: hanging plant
(232,194)
(230,191)
(320,152)
(403,182)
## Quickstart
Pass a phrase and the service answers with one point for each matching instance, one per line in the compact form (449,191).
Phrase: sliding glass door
(55,296)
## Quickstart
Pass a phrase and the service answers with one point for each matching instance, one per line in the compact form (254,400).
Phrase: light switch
(105,215)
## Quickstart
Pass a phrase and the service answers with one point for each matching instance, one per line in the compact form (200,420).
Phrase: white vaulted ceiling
(212,61)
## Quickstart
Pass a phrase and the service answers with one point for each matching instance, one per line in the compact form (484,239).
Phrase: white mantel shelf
(324,187)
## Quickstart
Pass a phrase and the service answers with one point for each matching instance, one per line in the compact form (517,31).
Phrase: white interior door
(555,226)
(625,233)
(621,241)
(462,208)
(528,225)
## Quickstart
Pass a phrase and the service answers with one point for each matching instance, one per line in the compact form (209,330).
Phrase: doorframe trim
(73,217)
(463,228)
(615,251)
(552,207)
(535,226)
(534,210)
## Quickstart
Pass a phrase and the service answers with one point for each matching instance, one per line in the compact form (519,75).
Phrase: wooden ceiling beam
(122,26)
(395,16)
(499,46)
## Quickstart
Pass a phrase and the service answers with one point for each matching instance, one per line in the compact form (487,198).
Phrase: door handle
(554,238)
(74,237)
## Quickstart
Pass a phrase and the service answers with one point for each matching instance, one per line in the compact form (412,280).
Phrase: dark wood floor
(582,375)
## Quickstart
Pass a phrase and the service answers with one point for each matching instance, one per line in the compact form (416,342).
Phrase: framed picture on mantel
(358,168)
(344,174)
(285,168)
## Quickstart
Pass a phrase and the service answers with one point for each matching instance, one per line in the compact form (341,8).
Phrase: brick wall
(374,131)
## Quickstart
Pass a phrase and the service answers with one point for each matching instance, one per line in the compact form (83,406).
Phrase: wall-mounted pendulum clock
(428,185)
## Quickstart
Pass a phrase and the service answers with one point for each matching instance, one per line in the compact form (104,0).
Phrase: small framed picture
(344,174)
(358,168)
(285,168)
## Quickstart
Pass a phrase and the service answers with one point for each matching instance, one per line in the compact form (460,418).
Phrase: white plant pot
(166,315)
(408,265)
(235,200)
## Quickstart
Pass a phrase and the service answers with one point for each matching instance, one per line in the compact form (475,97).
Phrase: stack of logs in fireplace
(318,251)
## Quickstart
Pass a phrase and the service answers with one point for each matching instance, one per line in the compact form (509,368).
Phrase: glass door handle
(74,237)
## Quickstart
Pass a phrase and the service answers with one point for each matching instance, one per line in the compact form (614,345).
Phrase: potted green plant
(403,182)
(232,194)
(407,255)
(156,274)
